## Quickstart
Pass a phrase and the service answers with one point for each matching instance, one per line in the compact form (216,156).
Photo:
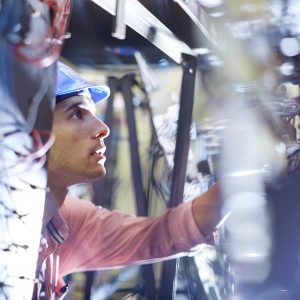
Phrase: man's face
(77,155)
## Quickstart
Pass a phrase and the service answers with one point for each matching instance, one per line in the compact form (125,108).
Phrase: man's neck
(54,200)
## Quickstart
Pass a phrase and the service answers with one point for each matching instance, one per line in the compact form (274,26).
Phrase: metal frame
(168,282)
(127,83)
(147,25)
(201,19)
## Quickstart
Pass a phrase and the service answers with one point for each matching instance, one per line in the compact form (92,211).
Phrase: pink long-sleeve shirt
(82,236)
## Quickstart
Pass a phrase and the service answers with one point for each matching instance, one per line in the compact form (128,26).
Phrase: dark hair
(68,95)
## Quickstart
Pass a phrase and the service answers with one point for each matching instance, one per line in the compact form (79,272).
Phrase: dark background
(91,28)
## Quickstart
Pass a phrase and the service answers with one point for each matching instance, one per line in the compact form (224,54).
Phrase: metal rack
(241,83)
(132,13)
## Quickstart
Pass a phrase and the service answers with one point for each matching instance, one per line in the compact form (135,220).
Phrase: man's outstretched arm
(206,210)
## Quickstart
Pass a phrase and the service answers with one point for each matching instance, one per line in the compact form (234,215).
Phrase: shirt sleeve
(99,238)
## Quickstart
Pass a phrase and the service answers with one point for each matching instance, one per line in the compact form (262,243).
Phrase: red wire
(51,44)
(37,158)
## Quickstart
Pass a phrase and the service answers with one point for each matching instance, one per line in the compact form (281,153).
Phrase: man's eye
(77,114)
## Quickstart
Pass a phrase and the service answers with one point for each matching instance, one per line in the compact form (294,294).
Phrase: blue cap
(69,83)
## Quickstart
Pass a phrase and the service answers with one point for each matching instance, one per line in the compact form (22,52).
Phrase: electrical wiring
(3,284)
(20,220)
(160,174)
(35,30)
(36,101)
(9,13)
(12,247)
(7,90)
(28,186)
(12,243)
(36,158)
(293,162)
(12,213)
(158,179)
(11,118)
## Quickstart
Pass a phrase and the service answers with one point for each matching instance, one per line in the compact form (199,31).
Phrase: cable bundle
(35,29)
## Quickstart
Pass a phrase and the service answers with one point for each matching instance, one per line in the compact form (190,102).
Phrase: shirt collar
(58,228)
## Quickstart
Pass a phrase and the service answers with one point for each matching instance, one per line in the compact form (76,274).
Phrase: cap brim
(98,92)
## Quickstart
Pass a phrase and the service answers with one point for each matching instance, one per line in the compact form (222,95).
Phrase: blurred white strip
(107,289)
(246,142)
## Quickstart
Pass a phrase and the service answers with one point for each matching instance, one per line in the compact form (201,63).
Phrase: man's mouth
(99,152)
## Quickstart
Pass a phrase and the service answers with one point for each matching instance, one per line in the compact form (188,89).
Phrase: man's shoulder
(76,211)
(74,206)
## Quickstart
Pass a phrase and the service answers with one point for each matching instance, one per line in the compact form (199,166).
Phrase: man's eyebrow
(77,104)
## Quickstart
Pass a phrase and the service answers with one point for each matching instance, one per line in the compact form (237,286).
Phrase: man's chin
(100,174)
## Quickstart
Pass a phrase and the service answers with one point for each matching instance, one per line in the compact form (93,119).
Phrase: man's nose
(102,130)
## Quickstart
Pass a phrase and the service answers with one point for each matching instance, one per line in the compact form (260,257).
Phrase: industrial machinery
(235,120)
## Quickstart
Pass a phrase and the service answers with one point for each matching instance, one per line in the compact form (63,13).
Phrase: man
(78,236)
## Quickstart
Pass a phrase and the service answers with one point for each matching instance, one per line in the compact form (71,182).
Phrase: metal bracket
(119,25)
